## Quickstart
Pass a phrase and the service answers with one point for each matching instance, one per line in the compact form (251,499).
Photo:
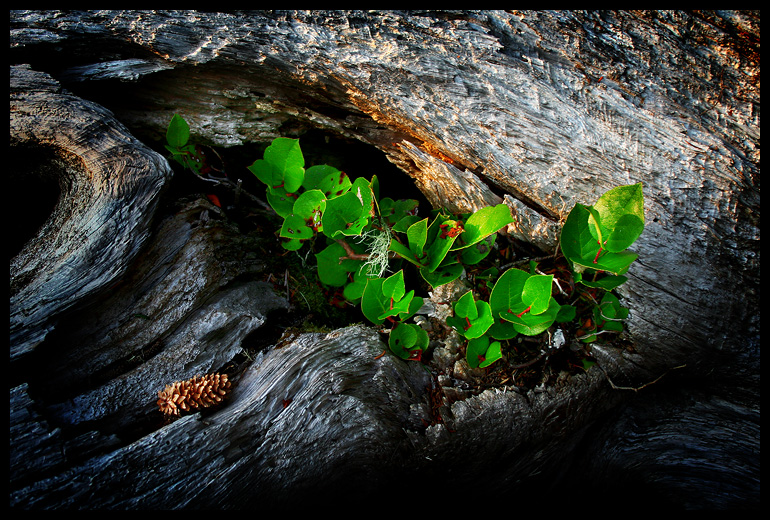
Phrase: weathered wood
(110,186)
(537,109)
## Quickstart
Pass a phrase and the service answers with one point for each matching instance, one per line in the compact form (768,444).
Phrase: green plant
(178,143)
(363,237)
(595,241)
(358,237)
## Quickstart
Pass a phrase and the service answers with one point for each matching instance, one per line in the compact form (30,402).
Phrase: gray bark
(539,110)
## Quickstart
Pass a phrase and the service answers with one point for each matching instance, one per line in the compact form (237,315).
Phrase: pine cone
(198,392)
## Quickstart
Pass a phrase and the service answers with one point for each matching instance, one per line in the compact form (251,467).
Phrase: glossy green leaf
(348,214)
(537,293)
(472,318)
(384,298)
(333,271)
(408,341)
(442,275)
(295,227)
(483,223)
(281,201)
(178,132)
(620,202)
(328,179)
(394,211)
(285,155)
(480,352)
(533,324)
(417,234)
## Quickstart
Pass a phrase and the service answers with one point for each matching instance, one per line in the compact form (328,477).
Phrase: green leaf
(403,224)
(373,306)
(348,214)
(328,179)
(394,211)
(442,233)
(608,282)
(178,132)
(627,229)
(281,201)
(618,202)
(311,206)
(533,324)
(355,289)
(480,353)
(295,227)
(537,293)
(282,165)
(475,253)
(417,234)
(596,237)
(577,241)
(393,286)
(502,329)
(286,156)
(332,271)
(442,275)
(524,300)
(483,223)
(566,314)
(408,341)
(472,318)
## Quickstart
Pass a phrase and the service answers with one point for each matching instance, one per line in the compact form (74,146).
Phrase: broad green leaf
(393,286)
(577,241)
(502,329)
(404,252)
(286,156)
(442,275)
(608,282)
(291,244)
(281,201)
(537,293)
(398,307)
(355,289)
(403,224)
(348,214)
(627,229)
(533,324)
(407,341)
(267,173)
(480,353)
(566,313)
(483,223)
(332,271)
(506,294)
(475,253)
(465,306)
(442,233)
(620,201)
(417,234)
(295,227)
(331,181)
(615,263)
(310,207)
(178,132)
(373,302)
(393,211)
(472,318)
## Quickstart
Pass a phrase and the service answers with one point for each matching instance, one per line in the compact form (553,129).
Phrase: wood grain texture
(110,186)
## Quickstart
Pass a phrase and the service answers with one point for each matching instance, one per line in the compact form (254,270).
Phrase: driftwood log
(135,279)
